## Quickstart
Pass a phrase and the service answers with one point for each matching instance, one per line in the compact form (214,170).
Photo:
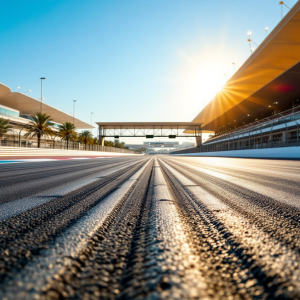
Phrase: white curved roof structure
(28,105)
(4,90)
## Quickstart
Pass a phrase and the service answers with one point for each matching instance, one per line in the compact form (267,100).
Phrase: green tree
(4,126)
(120,145)
(109,143)
(115,144)
(67,132)
(143,149)
(40,125)
(85,137)
(94,141)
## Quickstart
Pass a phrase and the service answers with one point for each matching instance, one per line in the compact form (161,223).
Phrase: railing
(235,145)
(280,118)
(11,141)
(288,136)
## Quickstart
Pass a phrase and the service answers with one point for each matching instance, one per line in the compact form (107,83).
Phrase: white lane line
(210,201)
(171,237)
(28,160)
(9,161)
(276,194)
(42,268)
(270,253)
(262,168)
(13,208)
(49,159)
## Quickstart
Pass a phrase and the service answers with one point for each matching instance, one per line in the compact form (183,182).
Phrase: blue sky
(133,60)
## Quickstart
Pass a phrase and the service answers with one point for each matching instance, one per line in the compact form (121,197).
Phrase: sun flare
(201,77)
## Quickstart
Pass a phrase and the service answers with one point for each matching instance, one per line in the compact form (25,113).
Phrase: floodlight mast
(92,121)
(42,78)
(234,66)
(282,3)
(249,33)
(74,101)
(266,29)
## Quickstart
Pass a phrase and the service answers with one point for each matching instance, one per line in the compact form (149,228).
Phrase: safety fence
(277,119)
(230,145)
(59,144)
(281,131)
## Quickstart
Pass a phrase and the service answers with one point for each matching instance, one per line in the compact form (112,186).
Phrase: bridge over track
(150,130)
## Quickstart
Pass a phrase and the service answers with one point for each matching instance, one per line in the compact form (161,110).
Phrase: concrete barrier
(12,152)
(277,153)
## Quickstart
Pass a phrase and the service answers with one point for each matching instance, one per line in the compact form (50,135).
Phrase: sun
(198,78)
(207,81)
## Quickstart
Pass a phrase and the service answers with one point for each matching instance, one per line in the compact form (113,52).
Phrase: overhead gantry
(150,130)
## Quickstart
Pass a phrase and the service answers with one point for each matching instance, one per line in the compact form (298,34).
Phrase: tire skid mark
(26,235)
(12,208)
(260,166)
(32,185)
(66,247)
(273,191)
(25,175)
(280,221)
(250,276)
(162,264)
(96,272)
(289,185)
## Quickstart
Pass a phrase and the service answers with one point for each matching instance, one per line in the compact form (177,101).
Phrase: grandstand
(18,108)
(259,107)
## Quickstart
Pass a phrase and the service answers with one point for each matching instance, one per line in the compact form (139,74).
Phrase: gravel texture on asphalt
(144,227)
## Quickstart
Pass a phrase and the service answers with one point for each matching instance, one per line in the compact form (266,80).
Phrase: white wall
(287,152)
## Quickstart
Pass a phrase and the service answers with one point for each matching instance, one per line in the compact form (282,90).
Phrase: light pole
(249,33)
(235,66)
(42,78)
(92,121)
(266,29)
(74,101)
(282,3)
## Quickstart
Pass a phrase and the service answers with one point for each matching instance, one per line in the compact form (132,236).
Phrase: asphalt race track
(143,227)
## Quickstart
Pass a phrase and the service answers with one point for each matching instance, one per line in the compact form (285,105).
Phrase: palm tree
(67,131)
(40,125)
(85,137)
(94,141)
(4,126)
(109,143)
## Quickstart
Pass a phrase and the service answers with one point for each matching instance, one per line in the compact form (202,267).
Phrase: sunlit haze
(156,60)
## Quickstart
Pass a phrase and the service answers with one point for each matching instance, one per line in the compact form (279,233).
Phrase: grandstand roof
(28,105)
(4,90)
(278,54)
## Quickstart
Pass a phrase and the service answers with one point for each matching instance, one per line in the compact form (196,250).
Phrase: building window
(9,113)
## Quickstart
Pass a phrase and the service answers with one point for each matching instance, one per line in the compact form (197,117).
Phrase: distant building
(18,108)
(161,144)
(158,146)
